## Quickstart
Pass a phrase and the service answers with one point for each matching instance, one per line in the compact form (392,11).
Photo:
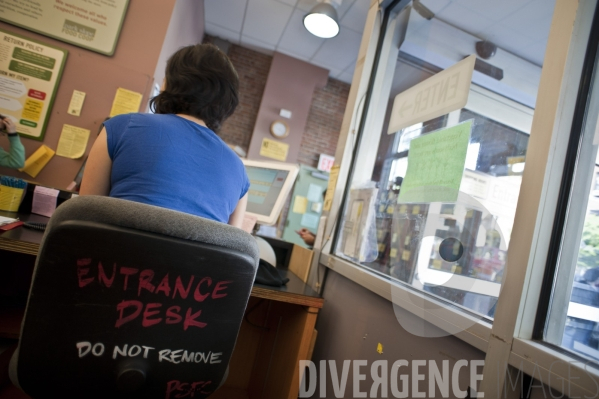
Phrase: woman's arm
(96,178)
(236,218)
(15,157)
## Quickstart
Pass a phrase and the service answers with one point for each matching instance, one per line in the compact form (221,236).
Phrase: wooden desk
(22,240)
(276,334)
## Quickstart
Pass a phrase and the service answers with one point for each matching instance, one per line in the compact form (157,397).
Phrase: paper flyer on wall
(274,149)
(29,75)
(125,102)
(76,103)
(72,142)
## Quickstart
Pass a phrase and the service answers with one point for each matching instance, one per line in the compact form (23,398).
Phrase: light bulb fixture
(322,21)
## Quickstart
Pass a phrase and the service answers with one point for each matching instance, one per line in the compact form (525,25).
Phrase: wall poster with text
(29,75)
(91,24)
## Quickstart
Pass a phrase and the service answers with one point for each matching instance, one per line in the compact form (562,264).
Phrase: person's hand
(307,236)
(8,125)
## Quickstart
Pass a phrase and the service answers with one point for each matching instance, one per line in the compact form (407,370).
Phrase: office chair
(131,300)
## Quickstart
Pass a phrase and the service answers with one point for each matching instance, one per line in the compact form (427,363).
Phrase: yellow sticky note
(437,264)
(403,209)
(300,204)
(394,237)
(416,210)
(125,102)
(328,199)
(405,255)
(381,247)
(76,103)
(36,162)
(382,208)
(379,348)
(393,253)
(390,209)
(72,142)
(274,149)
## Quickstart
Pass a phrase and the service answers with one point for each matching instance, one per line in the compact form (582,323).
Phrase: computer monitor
(270,184)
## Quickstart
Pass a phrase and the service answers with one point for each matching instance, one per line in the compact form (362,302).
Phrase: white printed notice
(438,95)
(91,24)
(44,201)
(29,77)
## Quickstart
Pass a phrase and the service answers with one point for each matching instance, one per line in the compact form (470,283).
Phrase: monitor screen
(270,184)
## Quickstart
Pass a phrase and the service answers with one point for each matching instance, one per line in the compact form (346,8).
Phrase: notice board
(100,79)
(91,24)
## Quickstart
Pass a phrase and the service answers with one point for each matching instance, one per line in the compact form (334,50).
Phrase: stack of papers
(4,220)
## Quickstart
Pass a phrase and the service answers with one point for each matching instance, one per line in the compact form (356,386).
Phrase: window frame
(508,340)
(512,334)
(574,193)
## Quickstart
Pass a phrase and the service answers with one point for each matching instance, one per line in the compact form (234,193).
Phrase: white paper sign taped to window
(438,95)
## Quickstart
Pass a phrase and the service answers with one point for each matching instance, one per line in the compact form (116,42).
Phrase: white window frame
(508,340)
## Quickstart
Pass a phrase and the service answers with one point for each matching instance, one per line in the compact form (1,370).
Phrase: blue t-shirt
(174,163)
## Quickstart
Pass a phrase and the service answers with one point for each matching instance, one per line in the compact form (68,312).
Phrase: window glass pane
(576,326)
(453,247)
(581,333)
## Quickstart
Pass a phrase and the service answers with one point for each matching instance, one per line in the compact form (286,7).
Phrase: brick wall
(322,129)
(252,68)
(324,120)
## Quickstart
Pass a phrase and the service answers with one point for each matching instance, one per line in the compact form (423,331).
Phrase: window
(569,313)
(452,247)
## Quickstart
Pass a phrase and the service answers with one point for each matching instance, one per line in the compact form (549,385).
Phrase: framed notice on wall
(29,75)
(91,24)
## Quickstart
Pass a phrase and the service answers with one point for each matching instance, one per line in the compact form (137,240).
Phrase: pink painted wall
(290,85)
(131,67)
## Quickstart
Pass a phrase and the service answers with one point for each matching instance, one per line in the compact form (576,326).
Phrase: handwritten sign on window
(436,165)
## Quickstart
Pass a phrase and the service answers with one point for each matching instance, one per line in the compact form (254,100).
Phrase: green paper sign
(436,165)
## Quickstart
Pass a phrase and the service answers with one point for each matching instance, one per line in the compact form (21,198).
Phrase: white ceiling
(518,26)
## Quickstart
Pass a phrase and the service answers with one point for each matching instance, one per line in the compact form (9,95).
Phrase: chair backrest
(131,300)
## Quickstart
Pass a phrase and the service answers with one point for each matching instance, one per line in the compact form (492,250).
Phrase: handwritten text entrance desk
(276,334)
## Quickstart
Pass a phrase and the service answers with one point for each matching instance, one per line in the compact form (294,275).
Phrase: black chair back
(130,300)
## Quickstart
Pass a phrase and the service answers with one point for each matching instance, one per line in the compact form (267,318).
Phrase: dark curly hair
(200,82)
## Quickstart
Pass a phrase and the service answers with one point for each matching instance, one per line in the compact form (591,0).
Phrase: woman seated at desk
(173,158)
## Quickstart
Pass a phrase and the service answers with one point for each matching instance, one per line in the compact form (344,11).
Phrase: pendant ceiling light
(322,21)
